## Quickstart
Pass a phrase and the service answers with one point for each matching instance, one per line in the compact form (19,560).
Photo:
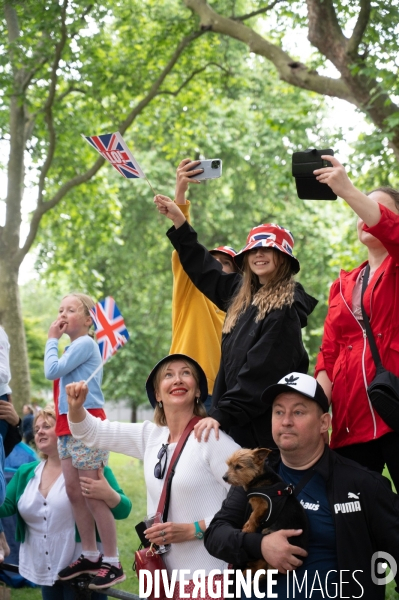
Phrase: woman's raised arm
(337,178)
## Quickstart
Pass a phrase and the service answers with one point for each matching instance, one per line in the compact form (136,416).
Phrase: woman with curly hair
(266,310)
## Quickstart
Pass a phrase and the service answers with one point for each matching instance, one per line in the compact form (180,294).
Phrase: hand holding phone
(185,173)
(303,166)
(194,171)
(335,176)
(211,169)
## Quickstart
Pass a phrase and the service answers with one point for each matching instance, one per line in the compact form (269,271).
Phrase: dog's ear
(260,455)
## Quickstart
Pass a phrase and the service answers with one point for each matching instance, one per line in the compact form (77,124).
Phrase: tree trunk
(11,319)
(133,418)
(360,83)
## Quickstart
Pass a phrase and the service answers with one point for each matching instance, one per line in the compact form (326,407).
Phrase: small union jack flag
(113,148)
(111,332)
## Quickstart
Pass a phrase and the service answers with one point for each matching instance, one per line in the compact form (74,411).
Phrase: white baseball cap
(299,383)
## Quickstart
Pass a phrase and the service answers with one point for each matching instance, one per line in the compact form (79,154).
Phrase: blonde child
(79,463)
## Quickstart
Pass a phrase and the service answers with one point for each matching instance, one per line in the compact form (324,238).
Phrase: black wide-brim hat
(203,384)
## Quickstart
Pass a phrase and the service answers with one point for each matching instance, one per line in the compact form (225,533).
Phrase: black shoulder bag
(383,391)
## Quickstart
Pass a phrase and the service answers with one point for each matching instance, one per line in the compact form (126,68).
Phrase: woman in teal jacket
(45,521)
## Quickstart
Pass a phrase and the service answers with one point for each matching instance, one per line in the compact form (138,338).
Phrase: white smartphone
(212,169)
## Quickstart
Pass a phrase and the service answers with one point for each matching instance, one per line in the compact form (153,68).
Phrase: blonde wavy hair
(159,413)
(48,415)
(87,303)
(273,295)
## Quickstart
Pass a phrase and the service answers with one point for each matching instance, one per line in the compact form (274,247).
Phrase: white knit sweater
(197,491)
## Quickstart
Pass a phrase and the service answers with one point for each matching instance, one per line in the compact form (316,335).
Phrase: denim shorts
(84,458)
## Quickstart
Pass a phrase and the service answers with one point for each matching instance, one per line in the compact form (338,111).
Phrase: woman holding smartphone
(196,322)
(345,366)
(266,310)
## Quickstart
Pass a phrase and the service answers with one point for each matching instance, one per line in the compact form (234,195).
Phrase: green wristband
(199,534)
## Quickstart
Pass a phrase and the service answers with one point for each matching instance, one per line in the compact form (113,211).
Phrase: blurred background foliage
(106,238)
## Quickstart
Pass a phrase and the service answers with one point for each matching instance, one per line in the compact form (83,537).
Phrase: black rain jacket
(359,533)
(254,355)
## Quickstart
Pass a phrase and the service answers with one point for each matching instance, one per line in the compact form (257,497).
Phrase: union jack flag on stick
(111,332)
(113,148)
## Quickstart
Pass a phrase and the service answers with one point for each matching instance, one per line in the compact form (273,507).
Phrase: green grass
(386,474)
(129,473)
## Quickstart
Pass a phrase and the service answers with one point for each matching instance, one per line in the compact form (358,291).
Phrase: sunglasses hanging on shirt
(159,469)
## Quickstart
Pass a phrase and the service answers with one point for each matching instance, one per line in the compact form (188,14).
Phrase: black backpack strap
(302,482)
(369,333)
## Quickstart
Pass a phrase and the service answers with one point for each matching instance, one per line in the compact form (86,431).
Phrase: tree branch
(44,207)
(42,61)
(324,31)
(29,75)
(12,22)
(15,166)
(360,27)
(13,35)
(359,88)
(31,118)
(29,124)
(257,12)
(71,89)
(193,74)
(48,107)
(288,69)
(157,84)
(38,60)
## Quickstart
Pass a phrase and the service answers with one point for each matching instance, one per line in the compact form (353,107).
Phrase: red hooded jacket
(345,353)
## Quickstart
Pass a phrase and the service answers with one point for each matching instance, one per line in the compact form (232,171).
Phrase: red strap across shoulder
(180,444)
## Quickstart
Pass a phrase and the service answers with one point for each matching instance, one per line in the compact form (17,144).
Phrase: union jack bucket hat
(225,250)
(269,235)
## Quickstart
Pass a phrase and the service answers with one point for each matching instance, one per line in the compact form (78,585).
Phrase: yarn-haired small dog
(274,506)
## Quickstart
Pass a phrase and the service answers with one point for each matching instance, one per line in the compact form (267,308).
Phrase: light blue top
(80,359)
